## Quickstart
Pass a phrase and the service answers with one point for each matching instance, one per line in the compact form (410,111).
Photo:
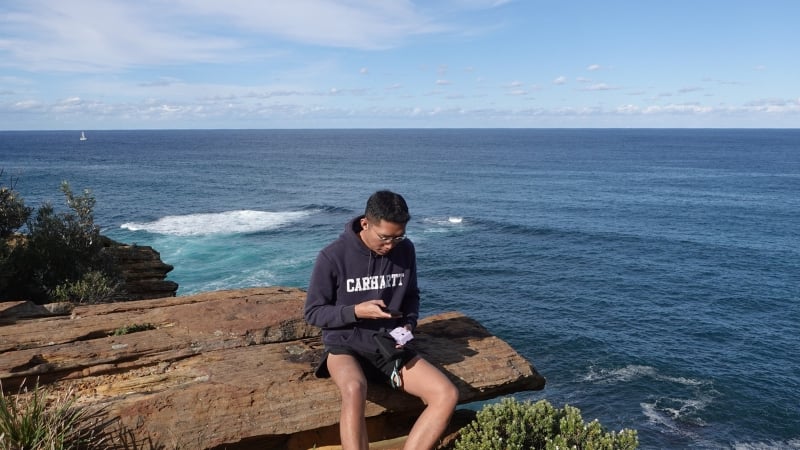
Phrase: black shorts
(375,366)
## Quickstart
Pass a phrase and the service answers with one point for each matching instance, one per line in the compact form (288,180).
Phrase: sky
(208,64)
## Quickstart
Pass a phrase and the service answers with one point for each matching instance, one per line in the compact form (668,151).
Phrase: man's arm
(321,308)
(411,298)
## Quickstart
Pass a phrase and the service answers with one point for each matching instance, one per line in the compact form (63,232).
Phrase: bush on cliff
(13,212)
(511,425)
(13,215)
(53,258)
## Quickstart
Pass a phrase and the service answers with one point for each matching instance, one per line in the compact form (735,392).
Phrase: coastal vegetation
(47,255)
(512,425)
(41,419)
(135,328)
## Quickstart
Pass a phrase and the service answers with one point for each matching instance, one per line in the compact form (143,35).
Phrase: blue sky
(114,64)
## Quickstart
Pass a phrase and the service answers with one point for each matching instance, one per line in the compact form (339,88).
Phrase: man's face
(383,236)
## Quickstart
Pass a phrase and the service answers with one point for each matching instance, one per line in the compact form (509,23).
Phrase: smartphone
(395,314)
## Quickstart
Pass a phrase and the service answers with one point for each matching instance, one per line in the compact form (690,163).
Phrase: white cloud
(678,109)
(111,35)
(91,36)
(560,80)
(443,82)
(594,67)
(363,71)
(599,87)
(161,82)
(27,105)
(361,24)
(772,103)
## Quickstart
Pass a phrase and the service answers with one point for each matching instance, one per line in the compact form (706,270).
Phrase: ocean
(651,275)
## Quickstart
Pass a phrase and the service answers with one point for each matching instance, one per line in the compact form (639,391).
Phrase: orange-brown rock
(142,271)
(233,369)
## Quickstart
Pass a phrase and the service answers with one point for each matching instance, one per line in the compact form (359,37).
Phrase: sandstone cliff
(232,369)
(141,269)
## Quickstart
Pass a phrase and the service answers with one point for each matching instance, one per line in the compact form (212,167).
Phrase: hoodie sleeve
(321,309)
(411,300)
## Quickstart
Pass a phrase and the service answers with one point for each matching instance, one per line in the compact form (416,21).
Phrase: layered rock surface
(232,369)
(142,271)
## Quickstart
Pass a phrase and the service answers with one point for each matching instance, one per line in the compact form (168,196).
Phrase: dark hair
(388,206)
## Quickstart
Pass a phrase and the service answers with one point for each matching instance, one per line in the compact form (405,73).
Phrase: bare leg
(422,379)
(349,378)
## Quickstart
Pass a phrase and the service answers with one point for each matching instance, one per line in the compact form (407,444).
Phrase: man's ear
(364,224)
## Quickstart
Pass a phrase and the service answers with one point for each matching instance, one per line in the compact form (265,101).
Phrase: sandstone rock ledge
(233,369)
(142,271)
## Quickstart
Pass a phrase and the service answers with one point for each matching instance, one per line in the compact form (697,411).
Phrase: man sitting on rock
(363,285)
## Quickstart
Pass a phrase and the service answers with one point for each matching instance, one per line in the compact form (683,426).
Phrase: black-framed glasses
(392,239)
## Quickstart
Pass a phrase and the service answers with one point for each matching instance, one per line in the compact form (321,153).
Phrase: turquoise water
(651,275)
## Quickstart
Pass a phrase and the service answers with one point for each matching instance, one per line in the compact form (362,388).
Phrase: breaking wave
(228,222)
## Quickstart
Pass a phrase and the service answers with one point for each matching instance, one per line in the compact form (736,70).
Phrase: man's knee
(448,395)
(444,394)
(353,390)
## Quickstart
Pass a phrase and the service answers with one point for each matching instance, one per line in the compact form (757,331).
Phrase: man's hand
(372,309)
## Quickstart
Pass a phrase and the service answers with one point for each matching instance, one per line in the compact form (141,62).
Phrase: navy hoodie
(347,273)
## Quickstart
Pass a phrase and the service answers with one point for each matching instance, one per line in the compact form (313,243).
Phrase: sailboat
(83,136)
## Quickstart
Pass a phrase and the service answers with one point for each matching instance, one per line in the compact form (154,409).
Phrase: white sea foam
(444,221)
(262,277)
(684,409)
(654,415)
(228,222)
(633,372)
(623,374)
(769,445)
(668,419)
(444,224)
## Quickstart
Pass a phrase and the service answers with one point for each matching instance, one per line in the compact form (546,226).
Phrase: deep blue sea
(653,276)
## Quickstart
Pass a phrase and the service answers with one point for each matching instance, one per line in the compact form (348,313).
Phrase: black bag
(387,345)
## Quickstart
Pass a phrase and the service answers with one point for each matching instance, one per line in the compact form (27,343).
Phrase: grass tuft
(39,419)
(128,329)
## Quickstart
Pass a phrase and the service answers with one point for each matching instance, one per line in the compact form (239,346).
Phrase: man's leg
(349,378)
(422,379)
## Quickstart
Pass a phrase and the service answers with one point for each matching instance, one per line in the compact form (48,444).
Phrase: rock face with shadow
(142,271)
(233,369)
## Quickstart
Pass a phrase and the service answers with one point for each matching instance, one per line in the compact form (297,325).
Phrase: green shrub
(38,420)
(44,420)
(13,212)
(68,243)
(512,425)
(93,287)
(60,256)
(13,215)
